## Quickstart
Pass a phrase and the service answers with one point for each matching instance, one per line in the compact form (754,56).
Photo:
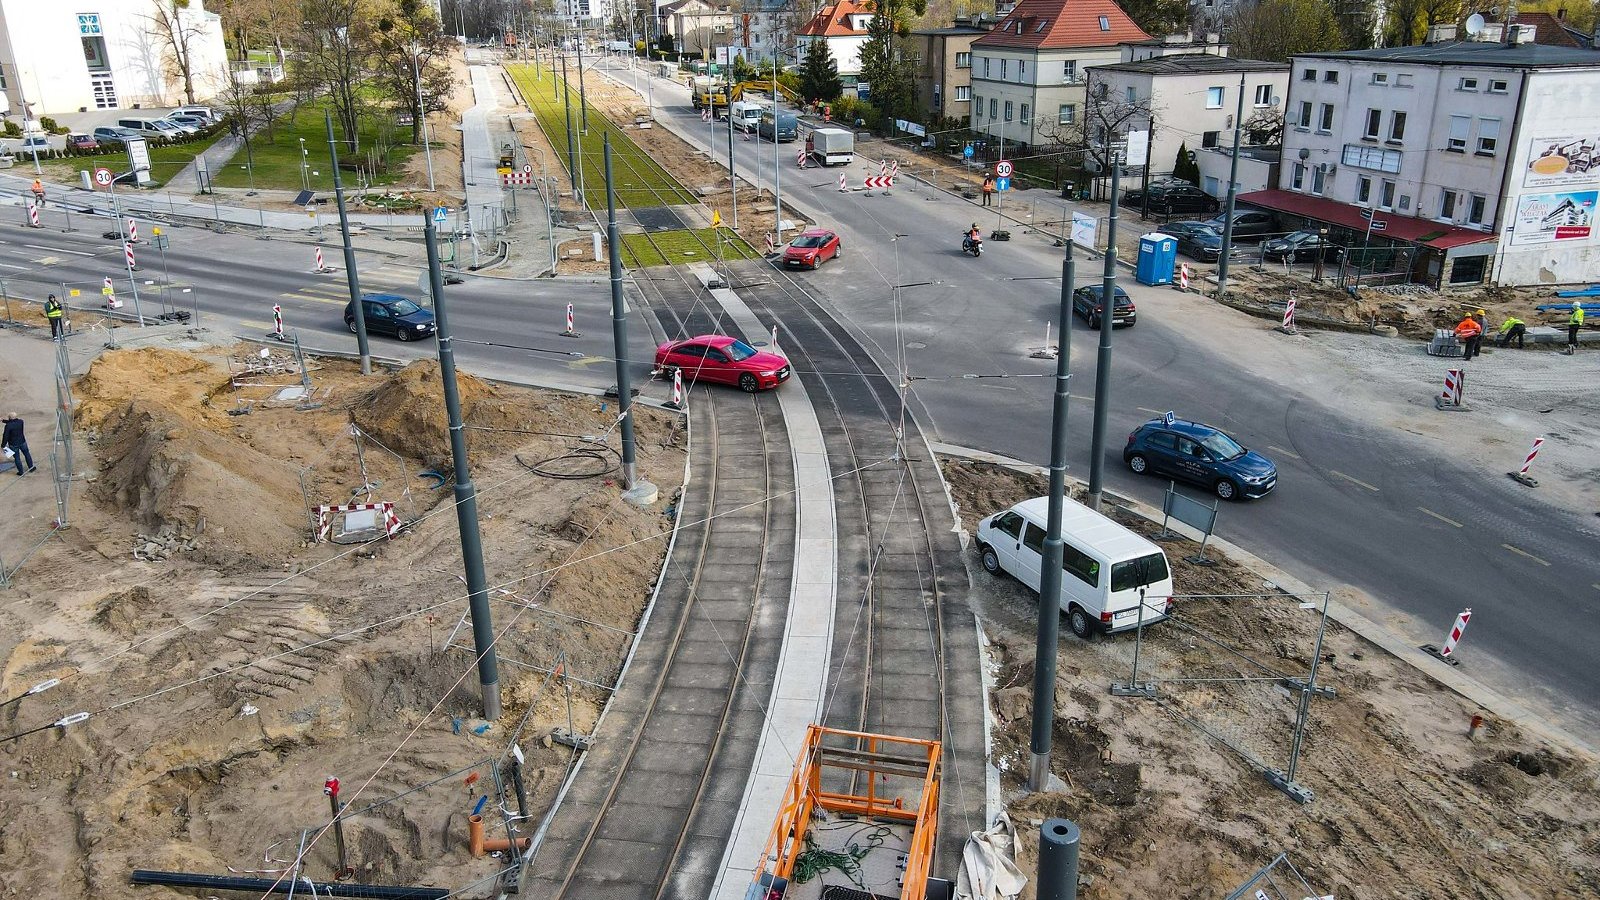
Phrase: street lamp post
(422,110)
(305,166)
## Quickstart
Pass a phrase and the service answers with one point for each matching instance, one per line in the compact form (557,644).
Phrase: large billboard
(1553,218)
(1563,161)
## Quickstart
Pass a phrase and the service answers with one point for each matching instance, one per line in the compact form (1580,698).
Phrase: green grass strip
(641,182)
(662,248)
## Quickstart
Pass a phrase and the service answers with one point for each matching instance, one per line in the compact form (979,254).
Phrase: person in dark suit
(16,441)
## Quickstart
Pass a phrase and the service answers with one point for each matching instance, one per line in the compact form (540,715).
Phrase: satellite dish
(1277,100)
(1474,25)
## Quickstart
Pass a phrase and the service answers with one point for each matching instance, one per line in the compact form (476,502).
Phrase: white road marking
(1153,412)
(1521,552)
(1352,479)
(59,250)
(13,266)
(1444,519)
(1282,452)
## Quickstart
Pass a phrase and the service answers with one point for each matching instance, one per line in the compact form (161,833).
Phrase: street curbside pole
(466,495)
(619,329)
(1233,194)
(1108,324)
(351,277)
(572,146)
(1058,860)
(1049,631)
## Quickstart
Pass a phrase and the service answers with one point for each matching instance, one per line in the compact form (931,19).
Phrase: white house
(698,28)
(1482,159)
(1029,72)
(843,26)
(111,55)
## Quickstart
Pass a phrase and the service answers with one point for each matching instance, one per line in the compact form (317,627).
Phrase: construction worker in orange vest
(1470,333)
(38,191)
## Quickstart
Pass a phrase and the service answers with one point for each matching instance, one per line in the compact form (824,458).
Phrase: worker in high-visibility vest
(38,191)
(1512,329)
(1574,322)
(1470,333)
(54,312)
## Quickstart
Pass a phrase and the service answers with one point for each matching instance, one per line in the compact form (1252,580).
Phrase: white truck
(746,114)
(831,146)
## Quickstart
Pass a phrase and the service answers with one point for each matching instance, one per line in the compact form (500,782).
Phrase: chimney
(1522,34)
(1441,34)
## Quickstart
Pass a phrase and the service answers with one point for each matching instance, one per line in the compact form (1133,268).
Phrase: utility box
(1158,254)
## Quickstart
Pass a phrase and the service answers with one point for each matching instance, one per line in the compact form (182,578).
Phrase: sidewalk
(519,217)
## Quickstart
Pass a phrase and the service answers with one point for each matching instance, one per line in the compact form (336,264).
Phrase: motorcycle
(970,244)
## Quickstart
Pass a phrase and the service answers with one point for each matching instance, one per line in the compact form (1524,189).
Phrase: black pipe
(281,886)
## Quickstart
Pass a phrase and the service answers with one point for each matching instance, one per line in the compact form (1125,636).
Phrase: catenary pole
(572,148)
(1045,644)
(1108,324)
(351,277)
(465,493)
(1233,193)
(619,329)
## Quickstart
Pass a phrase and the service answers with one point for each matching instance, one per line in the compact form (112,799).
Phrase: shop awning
(1410,229)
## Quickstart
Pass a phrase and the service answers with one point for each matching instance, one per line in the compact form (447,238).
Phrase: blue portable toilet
(1158,255)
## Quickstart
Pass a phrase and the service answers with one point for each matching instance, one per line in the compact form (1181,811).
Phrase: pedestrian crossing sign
(440,214)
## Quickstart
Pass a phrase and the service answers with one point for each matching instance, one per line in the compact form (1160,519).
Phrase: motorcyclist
(971,238)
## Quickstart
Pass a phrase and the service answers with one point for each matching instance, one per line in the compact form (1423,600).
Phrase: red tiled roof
(1054,24)
(1405,228)
(1548,29)
(833,20)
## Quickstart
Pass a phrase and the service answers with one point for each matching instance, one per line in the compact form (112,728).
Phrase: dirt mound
(407,413)
(162,470)
(165,378)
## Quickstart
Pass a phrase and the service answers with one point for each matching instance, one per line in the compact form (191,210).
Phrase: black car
(1248,224)
(1198,453)
(1171,198)
(1087,302)
(391,314)
(1198,240)
(1301,246)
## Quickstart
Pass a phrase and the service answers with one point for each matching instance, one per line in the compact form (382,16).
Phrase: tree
(887,63)
(819,74)
(1184,167)
(177,28)
(1264,128)
(1406,22)
(1107,118)
(1275,30)
(412,47)
(1158,17)
(335,49)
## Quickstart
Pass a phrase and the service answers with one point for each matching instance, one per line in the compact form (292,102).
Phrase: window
(1025,114)
(992,104)
(1209,138)
(1447,205)
(1305,114)
(1263,95)
(1488,136)
(964,60)
(1397,127)
(1361,156)
(963,92)
(1467,84)
(1214,98)
(1005,65)
(1008,110)
(1009,523)
(1069,70)
(1386,198)
(1326,125)
(1132,94)
(1131,574)
(1022,70)
(1033,538)
(1330,77)
(1364,190)
(1067,114)
(1460,127)
(1374,122)
(1402,80)
(1380,78)
(1105,24)
(986,67)
(1475,209)
(1308,75)
(1496,86)
(1079,564)
(1299,182)
(1043,24)
(1319,179)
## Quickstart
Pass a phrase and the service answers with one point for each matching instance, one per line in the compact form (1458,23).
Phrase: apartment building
(843,26)
(944,66)
(1029,72)
(1481,158)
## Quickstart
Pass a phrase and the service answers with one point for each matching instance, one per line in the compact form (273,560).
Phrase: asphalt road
(1357,505)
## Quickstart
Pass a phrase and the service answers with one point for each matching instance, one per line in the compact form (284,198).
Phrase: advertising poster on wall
(1549,218)
(1563,161)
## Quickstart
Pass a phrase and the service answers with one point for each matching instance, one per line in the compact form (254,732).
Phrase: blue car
(1197,453)
(392,315)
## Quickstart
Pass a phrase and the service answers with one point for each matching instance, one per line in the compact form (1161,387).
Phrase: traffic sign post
(440,214)
(1002,184)
(1002,169)
(102,178)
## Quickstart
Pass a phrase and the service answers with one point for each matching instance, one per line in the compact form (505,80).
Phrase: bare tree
(335,50)
(1264,128)
(177,28)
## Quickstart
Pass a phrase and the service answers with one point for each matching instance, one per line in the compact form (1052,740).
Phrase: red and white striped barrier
(33,213)
(800,158)
(1452,388)
(325,514)
(1522,473)
(771,244)
(1288,315)
(571,331)
(320,266)
(1183,275)
(883,168)
(843,184)
(516,178)
(894,168)
(133,230)
(111,295)
(1456,631)
(677,388)
(879,181)
(705,115)
(127,252)
(277,321)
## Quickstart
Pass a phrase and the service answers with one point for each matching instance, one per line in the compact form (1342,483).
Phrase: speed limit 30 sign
(102,178)
(1002,169)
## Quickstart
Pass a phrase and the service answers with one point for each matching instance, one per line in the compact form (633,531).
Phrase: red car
(722,359)
(812,248)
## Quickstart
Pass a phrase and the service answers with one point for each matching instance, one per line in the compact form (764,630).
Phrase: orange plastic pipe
(480,845)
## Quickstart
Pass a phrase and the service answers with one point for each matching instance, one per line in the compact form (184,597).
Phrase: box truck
(832,146)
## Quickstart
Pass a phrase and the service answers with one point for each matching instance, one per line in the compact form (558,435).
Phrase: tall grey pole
(1108,324)
(466,494)
(1233,192)
(1058,860)
(777,169)
(1044,653)
(619,328)
(350,275)
(422,111)
(583,101)
(733,183)
(572,147)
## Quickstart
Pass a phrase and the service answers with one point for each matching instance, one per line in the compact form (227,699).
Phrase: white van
(746,115)
(1105,564)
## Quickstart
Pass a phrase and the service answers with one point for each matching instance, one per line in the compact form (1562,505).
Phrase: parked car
(109,136)
(1249,224)
(31,144)
(200,112)
(1301,246)
(1107,567)
(1088,302)
(812,248)
(1198,453)
(194,122)
(1171,198)
(393,315)
(721,359)
(1199,240)
(151,129)
(180,127)
(82,142)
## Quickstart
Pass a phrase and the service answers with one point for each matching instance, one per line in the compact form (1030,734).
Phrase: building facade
(1481,160)
(1029,72)
(843,26)
(114,56)
(944,66)
(698,28)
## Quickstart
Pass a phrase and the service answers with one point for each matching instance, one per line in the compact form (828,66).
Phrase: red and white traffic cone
(133,230)
(1447,652)
(677,389)
(127,252)
(321,266)
(571,332)
(1288,315)
(1521,475)
(1183,275)
(111,296)
(843,184)
(277,322)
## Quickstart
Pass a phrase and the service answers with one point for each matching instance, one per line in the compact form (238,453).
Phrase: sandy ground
(1406,805)
(238,665)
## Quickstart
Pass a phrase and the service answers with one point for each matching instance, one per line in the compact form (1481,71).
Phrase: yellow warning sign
(105,290)
(74,292)
(716,218)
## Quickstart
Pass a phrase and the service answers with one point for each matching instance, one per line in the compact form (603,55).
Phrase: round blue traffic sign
(1002,184)
(967,151)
